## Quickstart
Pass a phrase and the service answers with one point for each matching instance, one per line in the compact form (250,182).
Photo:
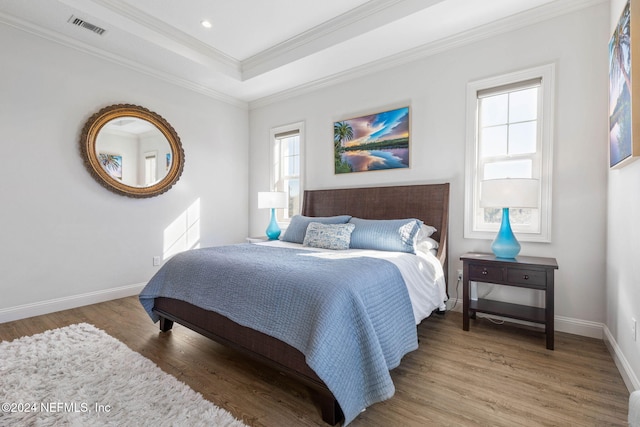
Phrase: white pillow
(328,236)
(427,244)
(426,231)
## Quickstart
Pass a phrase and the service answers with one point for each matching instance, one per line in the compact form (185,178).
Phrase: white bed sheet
(422,273)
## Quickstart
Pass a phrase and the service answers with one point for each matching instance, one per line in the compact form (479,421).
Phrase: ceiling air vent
(84,24)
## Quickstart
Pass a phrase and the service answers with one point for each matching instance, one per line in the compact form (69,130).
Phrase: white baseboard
(585,328)
(562,324)
(629,377)
(58,304)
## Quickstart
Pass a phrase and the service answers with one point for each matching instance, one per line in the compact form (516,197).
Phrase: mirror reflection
(133,151)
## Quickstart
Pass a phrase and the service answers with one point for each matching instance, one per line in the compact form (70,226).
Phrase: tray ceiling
(258,49)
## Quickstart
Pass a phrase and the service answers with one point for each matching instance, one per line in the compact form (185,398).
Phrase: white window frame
(544,167)
(150,167)
(298,126)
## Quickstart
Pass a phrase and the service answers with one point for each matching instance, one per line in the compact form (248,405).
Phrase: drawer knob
(484,272)
(525,277)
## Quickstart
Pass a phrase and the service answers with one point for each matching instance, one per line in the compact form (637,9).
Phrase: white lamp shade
(272,199)
(509,193)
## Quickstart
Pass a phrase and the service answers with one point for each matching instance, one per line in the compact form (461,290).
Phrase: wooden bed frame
(429,203)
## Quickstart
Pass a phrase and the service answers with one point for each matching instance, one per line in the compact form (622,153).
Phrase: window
(150,168)
(509,135)
(286,149)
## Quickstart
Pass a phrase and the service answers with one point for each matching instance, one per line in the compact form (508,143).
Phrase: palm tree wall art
(624,123)
(372,142)
(112,163)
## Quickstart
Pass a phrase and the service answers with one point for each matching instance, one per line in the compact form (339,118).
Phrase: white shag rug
(81,376)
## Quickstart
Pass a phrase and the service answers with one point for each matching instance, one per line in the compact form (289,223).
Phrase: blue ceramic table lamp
(508,193)
(272,200)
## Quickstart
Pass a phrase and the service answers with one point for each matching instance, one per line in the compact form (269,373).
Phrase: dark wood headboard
(428,202)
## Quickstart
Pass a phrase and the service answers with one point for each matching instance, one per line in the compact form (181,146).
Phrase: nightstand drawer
(527,277)
(481,273)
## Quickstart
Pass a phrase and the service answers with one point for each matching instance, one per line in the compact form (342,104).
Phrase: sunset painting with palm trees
(620,95)
(374,142)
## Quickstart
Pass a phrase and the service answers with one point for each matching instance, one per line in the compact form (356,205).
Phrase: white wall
(435,89)
(623,254)
(64,236)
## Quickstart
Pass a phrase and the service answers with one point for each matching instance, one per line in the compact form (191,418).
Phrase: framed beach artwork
(624,104)
(374,142)
(112,163)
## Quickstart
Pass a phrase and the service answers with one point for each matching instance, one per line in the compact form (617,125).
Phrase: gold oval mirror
(132,151)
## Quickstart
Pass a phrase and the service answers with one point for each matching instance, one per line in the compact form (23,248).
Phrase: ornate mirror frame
(89,136)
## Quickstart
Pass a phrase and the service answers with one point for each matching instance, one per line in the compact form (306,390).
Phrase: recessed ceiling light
(205,23)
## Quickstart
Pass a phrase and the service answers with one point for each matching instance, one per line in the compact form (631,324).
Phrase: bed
(428,203)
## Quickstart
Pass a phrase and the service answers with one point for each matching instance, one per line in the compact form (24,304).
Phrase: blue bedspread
(351,317)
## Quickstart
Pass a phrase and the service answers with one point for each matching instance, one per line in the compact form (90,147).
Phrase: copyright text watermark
(54,407)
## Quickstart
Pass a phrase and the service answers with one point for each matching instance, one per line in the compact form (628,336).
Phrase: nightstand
(523,272)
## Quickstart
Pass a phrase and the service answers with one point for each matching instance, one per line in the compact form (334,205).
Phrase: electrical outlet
(633,328)
(156,260)
(459,274)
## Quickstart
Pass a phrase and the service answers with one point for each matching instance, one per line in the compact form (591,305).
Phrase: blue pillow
(297,228)
(328,236)
(396,235)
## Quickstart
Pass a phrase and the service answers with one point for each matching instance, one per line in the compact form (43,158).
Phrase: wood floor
(492,375)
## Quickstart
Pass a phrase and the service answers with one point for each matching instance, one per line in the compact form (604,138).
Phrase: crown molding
(504,25)
(77,45)
(352,23)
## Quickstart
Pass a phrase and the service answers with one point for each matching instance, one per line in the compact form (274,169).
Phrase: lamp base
(273,230)
(505,244)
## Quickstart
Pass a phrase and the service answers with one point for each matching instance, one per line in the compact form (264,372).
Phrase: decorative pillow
(397,235)
(328,236)
(297,228)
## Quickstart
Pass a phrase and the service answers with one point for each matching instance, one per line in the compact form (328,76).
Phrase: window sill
(522,237)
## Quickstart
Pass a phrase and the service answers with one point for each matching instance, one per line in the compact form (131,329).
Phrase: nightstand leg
(465,297)
(549,310)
